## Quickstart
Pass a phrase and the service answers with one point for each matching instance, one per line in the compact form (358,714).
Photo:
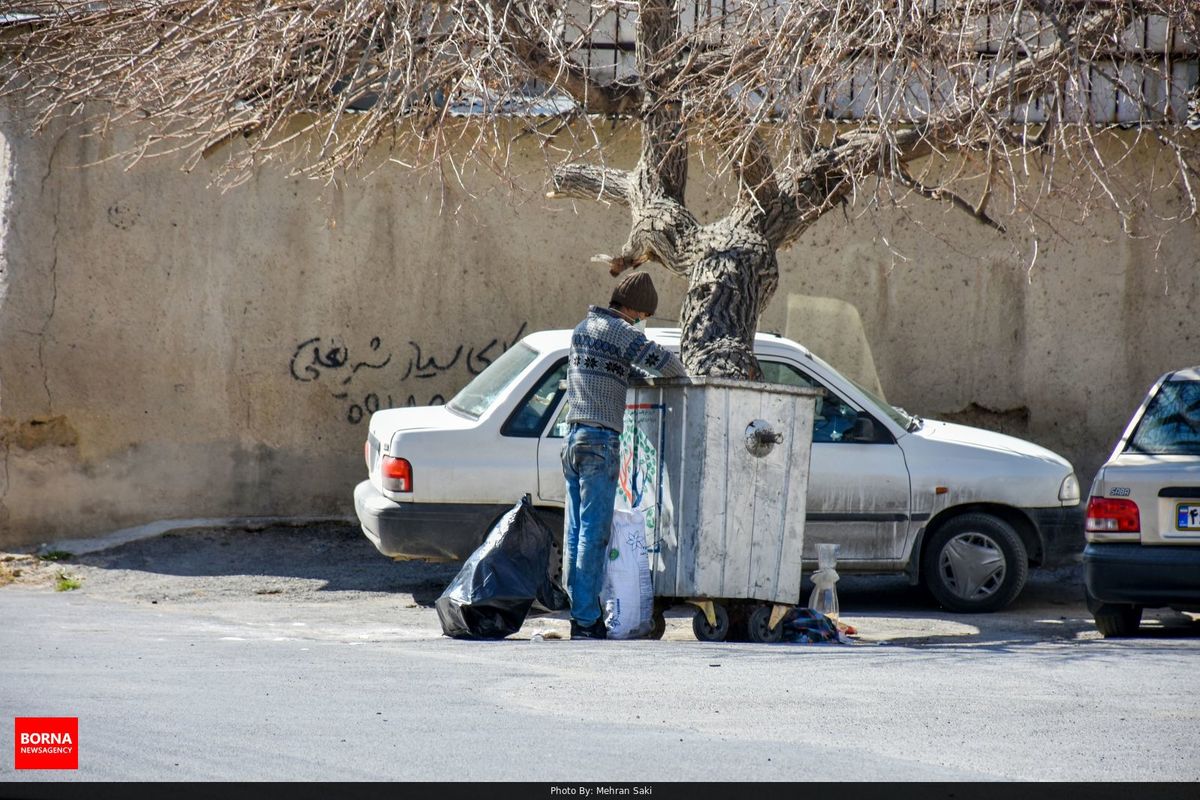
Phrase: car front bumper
(1061,531)
(429,531)
(1145,576)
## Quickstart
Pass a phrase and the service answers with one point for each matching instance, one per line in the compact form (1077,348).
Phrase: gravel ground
(331,569)
(299,653)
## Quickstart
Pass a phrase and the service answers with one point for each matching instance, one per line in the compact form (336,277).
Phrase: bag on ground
(628,592)
(503,580)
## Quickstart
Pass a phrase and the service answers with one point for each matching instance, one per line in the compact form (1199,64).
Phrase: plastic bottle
(824,599)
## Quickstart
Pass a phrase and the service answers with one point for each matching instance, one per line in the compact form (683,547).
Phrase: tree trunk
(733,278)
(730,265)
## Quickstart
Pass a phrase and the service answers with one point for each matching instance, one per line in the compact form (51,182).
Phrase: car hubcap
(972,566)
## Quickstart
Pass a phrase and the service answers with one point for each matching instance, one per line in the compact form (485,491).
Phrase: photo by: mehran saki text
(601,790)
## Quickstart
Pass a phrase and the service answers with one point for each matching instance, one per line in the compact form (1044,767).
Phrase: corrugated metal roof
(17,17)
(532,106)
(1157,63)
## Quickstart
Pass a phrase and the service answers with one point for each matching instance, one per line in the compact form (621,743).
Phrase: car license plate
(1187,517)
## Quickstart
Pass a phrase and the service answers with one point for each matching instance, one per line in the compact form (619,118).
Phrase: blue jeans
(590,463)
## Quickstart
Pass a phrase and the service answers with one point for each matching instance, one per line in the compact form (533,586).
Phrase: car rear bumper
(1061,532)
(431,531)
(1145,576)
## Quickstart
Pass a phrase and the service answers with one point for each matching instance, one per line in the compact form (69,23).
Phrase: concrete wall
(171,351)
(968,325)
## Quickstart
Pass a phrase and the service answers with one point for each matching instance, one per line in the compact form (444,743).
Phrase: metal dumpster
(720,468)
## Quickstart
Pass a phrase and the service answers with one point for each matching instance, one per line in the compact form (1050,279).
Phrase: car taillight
(396,474)
(1113,515)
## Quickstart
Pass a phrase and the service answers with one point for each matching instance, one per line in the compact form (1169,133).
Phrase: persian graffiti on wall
(378,375)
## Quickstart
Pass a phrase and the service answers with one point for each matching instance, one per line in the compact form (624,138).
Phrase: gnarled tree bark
(731,265)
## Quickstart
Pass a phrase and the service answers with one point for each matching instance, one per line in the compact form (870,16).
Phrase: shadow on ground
(338,555)
(1051,608)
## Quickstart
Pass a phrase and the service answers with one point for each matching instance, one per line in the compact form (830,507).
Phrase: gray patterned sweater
(605,351)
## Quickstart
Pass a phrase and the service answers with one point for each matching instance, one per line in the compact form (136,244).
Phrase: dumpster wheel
(717,629)
(759,627)
(658,620)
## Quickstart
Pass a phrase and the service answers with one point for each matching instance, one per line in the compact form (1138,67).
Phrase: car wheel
(1114,620)
(975,563)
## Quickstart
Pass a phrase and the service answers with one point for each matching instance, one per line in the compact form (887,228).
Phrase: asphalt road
(301,655)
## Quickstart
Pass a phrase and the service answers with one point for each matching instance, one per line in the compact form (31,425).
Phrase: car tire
(1117,621)
(975,563)
(1114,620)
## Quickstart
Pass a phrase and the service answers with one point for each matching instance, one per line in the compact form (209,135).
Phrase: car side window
(833,419)
(559,429)
(786,374)
(530,417)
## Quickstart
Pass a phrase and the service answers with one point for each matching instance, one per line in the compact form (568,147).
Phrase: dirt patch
(322,581)
(274,562)
(24,569)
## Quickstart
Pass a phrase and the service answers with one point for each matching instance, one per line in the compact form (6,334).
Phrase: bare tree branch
(590,183)
(834,171)
(663,165)
(593,97)
(797,107)
(942,194)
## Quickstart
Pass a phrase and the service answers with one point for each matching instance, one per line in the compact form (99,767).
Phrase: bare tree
(801,104)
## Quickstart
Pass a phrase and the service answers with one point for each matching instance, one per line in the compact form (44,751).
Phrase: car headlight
(1068,492)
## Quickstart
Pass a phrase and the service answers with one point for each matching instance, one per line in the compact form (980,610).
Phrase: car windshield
(1171,423)
(479,395)
(898,415)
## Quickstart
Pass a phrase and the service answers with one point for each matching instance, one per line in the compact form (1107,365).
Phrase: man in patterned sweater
(605,349)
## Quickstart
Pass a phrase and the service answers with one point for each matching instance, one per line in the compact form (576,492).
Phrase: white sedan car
(964,510)
(1143,516)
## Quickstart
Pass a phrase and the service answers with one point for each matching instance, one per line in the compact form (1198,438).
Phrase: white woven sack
(628,592)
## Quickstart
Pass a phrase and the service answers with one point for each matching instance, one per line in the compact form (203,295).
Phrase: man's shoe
(594,631)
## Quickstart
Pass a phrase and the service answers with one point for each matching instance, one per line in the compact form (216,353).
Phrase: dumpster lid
(727,383)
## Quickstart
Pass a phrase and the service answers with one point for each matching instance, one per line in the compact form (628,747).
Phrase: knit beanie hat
(636,291)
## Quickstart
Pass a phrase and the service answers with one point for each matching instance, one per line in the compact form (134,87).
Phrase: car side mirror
(863,431)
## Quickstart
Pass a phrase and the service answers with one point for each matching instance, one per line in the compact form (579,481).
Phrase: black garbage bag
(505,579)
